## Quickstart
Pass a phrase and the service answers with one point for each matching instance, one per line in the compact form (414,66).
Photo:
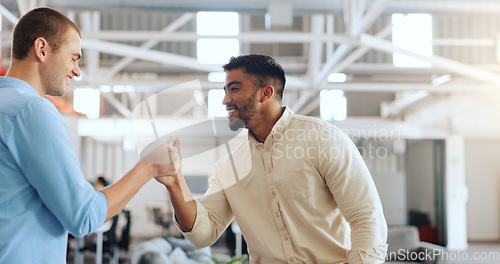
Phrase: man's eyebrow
(231,83)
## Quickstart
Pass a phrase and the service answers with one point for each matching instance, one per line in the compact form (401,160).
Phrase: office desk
(99,236)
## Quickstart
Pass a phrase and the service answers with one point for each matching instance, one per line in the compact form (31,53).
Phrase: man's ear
(41,47)
(267,93)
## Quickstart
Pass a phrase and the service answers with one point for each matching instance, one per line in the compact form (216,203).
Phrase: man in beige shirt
(297,186)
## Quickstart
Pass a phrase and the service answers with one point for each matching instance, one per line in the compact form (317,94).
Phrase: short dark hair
(264,68)
(44,22)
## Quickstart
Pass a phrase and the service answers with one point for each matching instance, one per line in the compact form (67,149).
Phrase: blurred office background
(415,83)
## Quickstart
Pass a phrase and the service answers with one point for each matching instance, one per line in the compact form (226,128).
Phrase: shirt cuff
(198,231)
(375,255)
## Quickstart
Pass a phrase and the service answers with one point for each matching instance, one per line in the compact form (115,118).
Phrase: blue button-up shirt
(43,193)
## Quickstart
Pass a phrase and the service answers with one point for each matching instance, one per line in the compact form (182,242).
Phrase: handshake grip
(164,152)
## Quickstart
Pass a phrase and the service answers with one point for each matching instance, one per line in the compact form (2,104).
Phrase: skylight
(215,106)
(333,105)
(412,32)
(87,101)
(217,50)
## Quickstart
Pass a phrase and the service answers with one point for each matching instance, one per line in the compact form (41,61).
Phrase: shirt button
(277,215)
(273,193)
(290,259)
(269,171)
(287,237)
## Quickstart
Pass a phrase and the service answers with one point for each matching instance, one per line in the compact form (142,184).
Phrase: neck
(265,124)
(28,72)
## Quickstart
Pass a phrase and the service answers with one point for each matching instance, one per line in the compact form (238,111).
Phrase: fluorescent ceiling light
(337,77)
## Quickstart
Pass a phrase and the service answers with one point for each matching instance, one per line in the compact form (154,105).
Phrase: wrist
(147,169)
(174,186)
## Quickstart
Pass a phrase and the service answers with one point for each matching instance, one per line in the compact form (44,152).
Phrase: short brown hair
(264,68)
(44,22)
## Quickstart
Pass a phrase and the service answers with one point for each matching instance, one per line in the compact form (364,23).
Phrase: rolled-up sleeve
(213,216)
(40,145)
(352,187)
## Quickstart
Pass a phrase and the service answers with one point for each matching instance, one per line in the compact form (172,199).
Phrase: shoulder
(20,100)
(325,129)
(240,152)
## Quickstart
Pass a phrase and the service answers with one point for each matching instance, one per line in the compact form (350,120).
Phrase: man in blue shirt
(43,193)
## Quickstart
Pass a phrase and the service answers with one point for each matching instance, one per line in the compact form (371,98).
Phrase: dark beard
(246,114)
(236,123)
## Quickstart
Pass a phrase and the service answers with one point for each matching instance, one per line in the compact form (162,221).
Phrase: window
(215,106)
(412,32)
(216,77)
(217,50)
(333,105)
(87,101)
(337,77)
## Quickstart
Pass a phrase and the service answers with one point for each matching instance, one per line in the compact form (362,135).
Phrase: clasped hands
(167,160)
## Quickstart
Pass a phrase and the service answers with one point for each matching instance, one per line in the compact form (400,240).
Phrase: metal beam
(487,42)
(342,50)
(148,55)
(249,37)
(338,67)
(117,105)
(359,52)
(315,48)
(437,61)
(301,7)
(330,29)
(398,87)
(397,106)
(23,6)
(321,76)
(360,10)
(310,107)
(184,108)
(90,21)
(179,22)
(376,87)
(371,15)
(8,15)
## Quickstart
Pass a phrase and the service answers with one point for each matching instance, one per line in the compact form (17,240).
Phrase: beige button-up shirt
(303,196)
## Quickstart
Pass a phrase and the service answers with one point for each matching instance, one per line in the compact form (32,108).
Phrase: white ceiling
(351,36)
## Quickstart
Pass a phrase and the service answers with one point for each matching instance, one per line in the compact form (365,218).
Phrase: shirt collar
(6,81)
(278,127)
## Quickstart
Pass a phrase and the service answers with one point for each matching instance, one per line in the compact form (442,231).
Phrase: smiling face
(62,65)
(242,100)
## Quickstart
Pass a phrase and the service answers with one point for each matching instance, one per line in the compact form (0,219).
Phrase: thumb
(177,144)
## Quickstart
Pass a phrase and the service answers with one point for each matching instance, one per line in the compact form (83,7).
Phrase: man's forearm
(121,192)
(184,204)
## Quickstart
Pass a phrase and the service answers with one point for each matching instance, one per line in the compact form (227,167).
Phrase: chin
(235,124)
(54,92)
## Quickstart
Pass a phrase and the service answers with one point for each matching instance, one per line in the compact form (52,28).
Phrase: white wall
(387,170)
(482,176)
